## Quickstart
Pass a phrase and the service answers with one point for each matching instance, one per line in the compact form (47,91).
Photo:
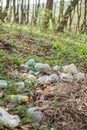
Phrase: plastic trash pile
(68,73)
(37,74)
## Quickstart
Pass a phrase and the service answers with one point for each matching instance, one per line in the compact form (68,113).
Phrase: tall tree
(48,13)
(28,7)
(63,22)
(84,25)
(61,9)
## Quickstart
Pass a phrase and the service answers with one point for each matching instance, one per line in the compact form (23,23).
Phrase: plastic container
(3,83)
(6,118)
(19,98)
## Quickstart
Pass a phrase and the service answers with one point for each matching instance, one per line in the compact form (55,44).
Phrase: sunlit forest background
(71,14)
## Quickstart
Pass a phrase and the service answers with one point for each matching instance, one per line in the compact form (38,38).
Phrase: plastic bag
(6,118)
(3,83)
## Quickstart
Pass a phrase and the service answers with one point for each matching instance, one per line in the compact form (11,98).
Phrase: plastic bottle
(70,69)
(57,67)
(6,118)
(48,79)
(38,115)
(53,78)
(3,83)
(19,98)
(35,71)
(31,62)
(20,86)
(24,66)
(79,76)
(42,67)
(66,77)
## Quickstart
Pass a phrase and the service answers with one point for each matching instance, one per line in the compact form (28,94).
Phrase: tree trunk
(48,13)
(61,10)
(14,10)
(63,22)
(84,25)
(28,7)
(36,12)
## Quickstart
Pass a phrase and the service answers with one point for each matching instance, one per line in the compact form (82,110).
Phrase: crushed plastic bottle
(79,76)
(31,62)
(35,71)
(53,78)
(70,69)
(42,67)
(57,67)
(19,98)
(38,115)
(66,77)
(6,118)
(3,83)
(48,79)
(43,79)
(20,86)
(24,66)
(25,76)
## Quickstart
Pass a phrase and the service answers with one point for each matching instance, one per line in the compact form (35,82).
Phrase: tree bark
(63,22)
(48,13)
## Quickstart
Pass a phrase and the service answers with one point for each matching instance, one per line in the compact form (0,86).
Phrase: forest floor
(65,107)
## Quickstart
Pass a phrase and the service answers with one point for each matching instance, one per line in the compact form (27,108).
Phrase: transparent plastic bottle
(6,118)
(19,98)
